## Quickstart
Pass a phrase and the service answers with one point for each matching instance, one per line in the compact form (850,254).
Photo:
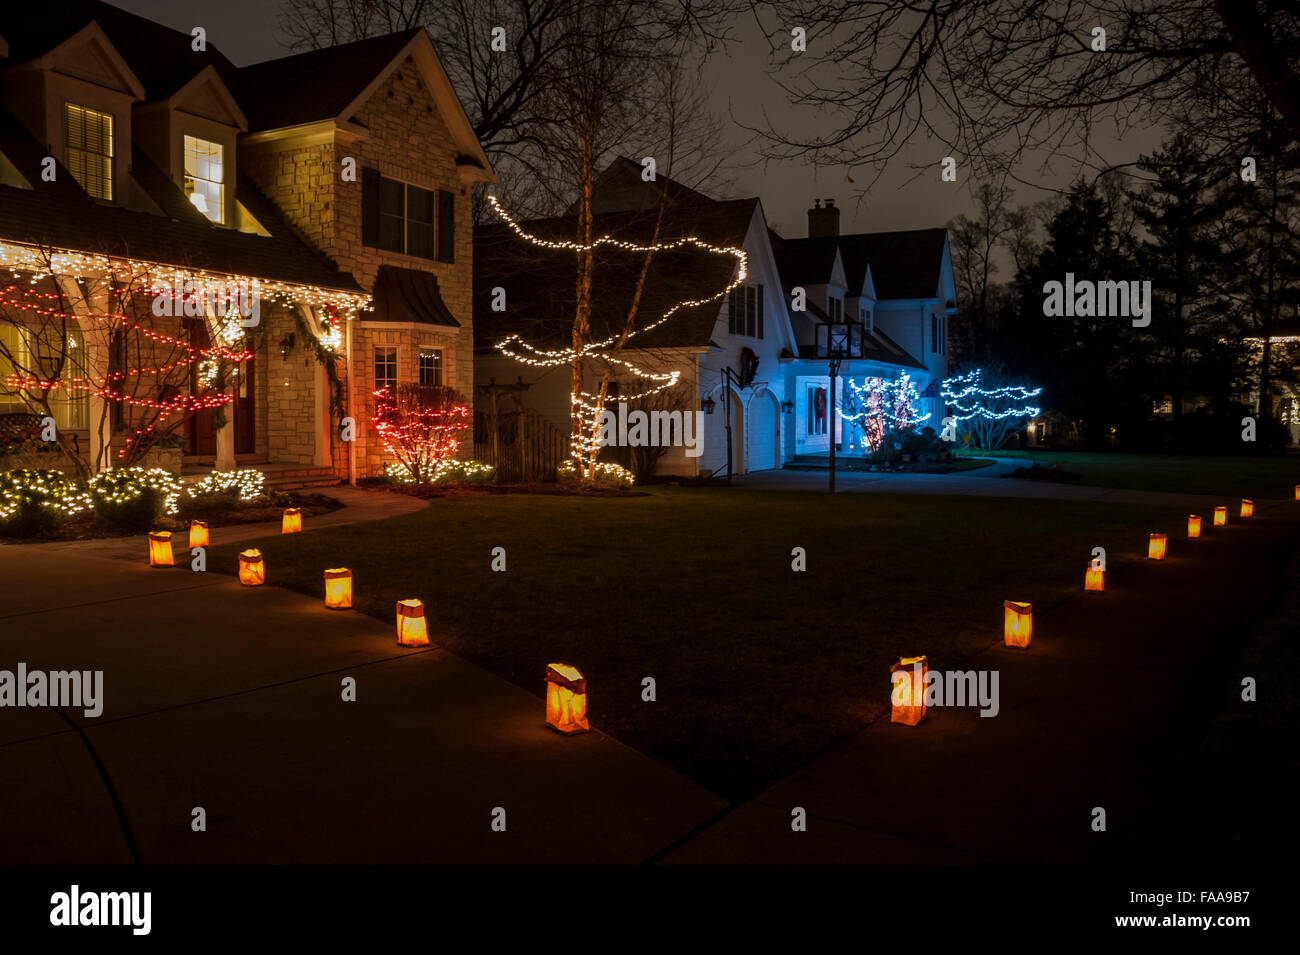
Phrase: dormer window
(205,177)
(89,154)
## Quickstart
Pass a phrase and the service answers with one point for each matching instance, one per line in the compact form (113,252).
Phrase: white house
(745,359)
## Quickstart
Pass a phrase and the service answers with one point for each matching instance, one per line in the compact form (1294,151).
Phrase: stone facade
(406,138)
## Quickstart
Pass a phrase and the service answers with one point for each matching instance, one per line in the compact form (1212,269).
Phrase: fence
(523,446)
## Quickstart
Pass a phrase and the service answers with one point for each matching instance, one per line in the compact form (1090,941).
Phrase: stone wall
(407,139)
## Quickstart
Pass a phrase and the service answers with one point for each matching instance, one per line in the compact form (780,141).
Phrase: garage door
(762,433)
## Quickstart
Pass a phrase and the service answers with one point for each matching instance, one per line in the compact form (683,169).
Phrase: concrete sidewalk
(983,482)
(229,698)
(1109,697)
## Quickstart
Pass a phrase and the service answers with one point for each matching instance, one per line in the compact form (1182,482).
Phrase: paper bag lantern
(1017,623)
(292,522)
(1297,492)
(1094,579)
(1220,516)
(160,549)
(338,588)
(566,699)
(907,698)
(1247,507)
(1156,546)
(198,534)
(252,571)
(411,631)
(1194,525)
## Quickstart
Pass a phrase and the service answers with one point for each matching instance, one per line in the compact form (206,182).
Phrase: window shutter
(446,226)
(369,207)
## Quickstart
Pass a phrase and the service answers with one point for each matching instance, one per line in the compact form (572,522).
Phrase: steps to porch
(279,477)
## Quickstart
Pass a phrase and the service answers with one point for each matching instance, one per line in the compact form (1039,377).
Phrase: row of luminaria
(566,688)
(908,675)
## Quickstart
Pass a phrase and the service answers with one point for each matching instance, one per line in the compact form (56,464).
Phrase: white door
(763,440)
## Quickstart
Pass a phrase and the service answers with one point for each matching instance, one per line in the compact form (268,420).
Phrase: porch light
(787,407)
(708,405)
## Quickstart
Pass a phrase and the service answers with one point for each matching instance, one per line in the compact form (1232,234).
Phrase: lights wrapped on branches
(421,425)
(990,413)
(585,406)
(881,406)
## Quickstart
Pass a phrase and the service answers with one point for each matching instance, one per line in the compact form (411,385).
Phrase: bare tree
(1000,81)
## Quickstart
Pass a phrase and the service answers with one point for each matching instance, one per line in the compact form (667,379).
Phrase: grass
(1245,476)
(758,668)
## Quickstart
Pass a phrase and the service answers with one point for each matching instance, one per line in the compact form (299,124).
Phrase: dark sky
(245,30)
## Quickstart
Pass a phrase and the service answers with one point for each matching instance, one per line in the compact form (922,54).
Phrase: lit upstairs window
(205,177)
(90,149)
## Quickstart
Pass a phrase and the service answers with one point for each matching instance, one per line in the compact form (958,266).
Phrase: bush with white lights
(132,498)
(247,484)
(35,500)
(446,471)
(605,474)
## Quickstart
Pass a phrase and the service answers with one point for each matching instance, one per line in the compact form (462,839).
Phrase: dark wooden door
(202,437)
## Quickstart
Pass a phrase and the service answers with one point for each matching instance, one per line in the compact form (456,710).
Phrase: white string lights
(883,405)
(968,399)
(586,406)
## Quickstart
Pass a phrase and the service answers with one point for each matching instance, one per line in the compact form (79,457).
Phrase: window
(934,334)
(816,410)
(400,217)
(385,367)
(205,177)
(745,311)
(23,354)
(430,366)
(90,149)
(836,310)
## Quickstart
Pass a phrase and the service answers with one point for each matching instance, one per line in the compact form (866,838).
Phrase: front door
(202,437)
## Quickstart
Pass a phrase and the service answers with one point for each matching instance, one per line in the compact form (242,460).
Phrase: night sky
(246,32)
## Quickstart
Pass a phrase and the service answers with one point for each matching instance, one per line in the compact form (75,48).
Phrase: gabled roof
(620,187)
(316,85)
(905,264)
(336,82)
(876,345)
(162,58)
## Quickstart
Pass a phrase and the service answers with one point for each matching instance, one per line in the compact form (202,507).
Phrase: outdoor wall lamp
(286,346)
(707,404)
(787,406)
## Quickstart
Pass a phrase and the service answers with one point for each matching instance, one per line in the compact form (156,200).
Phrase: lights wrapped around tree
(881,406)
(907,694)
(411,629)
(585,407)
(198,534)
(1094,580)
(252,569)
(1247,507)
(1017,623)
(291,523)
(1220,516)
(1156,547)
(566,699)
(160,549)
(338,588)
(991,413)
(1194,525)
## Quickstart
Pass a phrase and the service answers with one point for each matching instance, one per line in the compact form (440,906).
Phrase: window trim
(219,183)
(441,365)
(396,364)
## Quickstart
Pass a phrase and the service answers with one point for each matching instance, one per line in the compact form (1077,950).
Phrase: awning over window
(409,295)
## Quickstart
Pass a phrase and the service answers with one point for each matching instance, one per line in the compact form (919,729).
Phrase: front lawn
(758,668)
(1245,476)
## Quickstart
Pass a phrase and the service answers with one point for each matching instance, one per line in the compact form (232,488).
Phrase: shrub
(33,501)
(132,498)
(606,474)
(446,471)
(246,484)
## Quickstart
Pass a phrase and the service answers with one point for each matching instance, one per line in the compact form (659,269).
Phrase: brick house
(339,181)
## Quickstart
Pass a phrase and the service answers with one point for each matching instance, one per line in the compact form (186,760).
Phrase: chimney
(823,222)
